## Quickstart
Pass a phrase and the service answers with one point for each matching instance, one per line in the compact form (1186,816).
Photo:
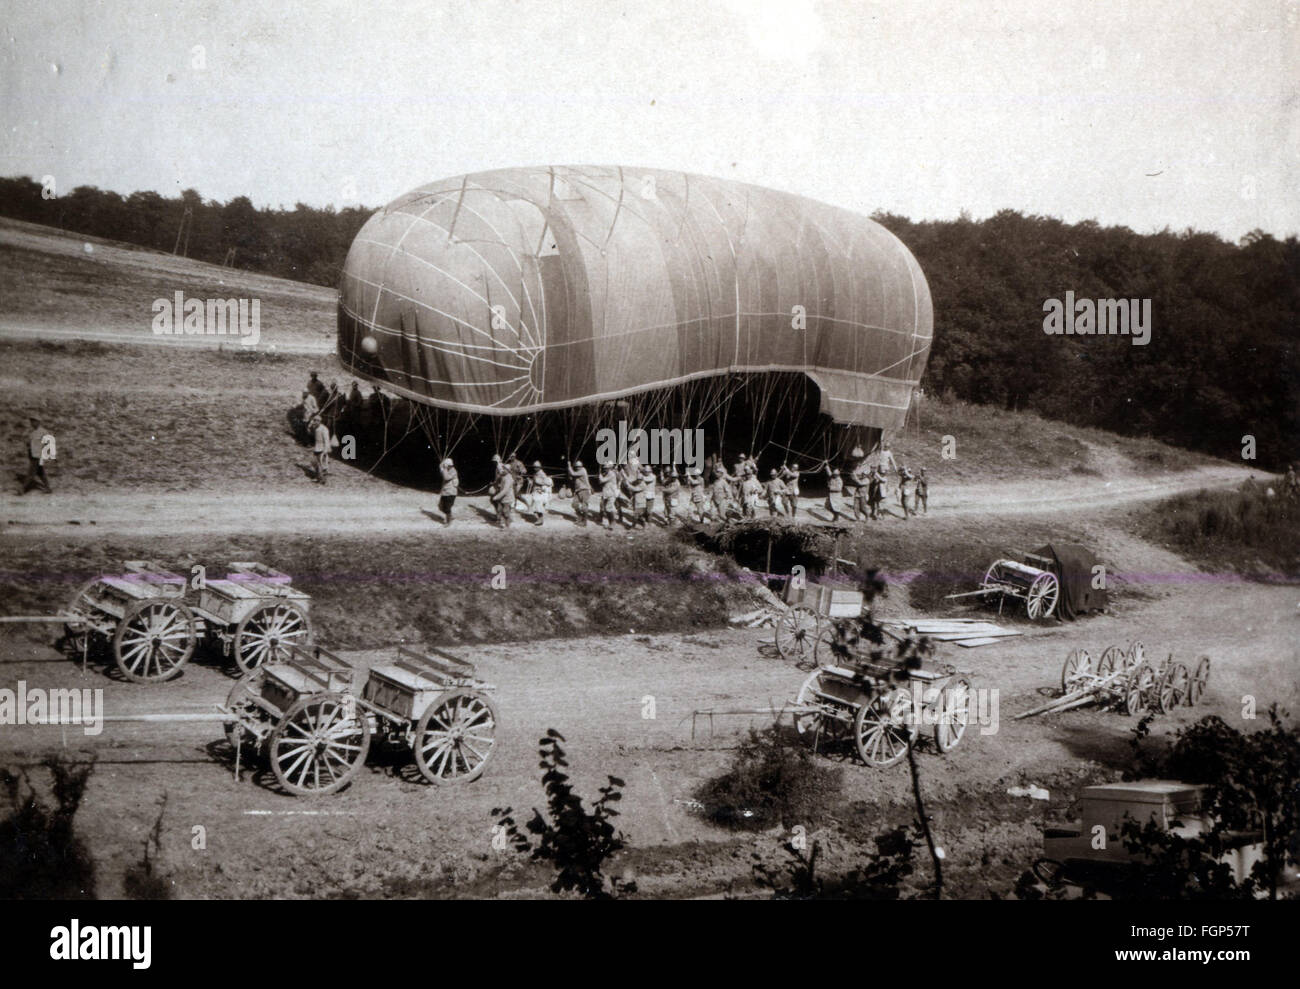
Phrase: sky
(1147,114)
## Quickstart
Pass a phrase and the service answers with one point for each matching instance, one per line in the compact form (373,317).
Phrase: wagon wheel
(1040,601)
(1136,654)
(1111,660)
(1077,666)
(267,633)
(824,643)
(1173,687)
(990,577)
(954,713)
(1200,680)
(319,744)
(76,633)
(154,639)
(240,702)
(456,737)
(1138,688)
(808,724)
(880,728)
(796,631)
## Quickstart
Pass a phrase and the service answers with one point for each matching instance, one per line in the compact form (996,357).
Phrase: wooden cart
(811,609)
(152,621)
(1032,581)
(1126,680)
(867,705)
(305,715)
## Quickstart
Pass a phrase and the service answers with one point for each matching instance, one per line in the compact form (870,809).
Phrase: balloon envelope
(515,291)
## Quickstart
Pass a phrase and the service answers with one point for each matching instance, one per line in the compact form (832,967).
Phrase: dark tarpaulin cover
(1073,568)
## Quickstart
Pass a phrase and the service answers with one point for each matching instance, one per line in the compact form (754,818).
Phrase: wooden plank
(972,643)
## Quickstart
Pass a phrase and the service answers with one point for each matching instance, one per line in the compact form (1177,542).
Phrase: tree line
(1221,364)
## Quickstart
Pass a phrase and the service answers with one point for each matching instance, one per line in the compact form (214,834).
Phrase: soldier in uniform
(609,492)
(834,486)
(875,492)
(721,489)
(671,487)
(776,494)
(863,476)
(581,485)
(695,481)
(321,451)
(540,486)
(502,493)
(923,492)
(635,488)
(790,478)
(751,490)
(37,454)
(450,488)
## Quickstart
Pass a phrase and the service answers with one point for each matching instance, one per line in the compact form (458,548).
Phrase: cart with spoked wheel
(867,705)
(811,610)
(315,729)
(152,621)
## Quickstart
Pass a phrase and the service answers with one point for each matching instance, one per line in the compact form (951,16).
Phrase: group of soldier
(628,493)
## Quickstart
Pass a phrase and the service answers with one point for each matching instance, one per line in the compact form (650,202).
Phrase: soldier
(672,487)
(502,494)
(650,481)
(907,492)
(776,492)
(635,487)
(581,485)
(309,406)
(317,388)
(40,450)
(875,492)
(450,488)
(738,477)
(923,492)
(695,481)
(321,451)
(790,478)
(721,490)
(751,490)
(1291,484)
(863,477)
(834,486)
(609,492)
(541,485)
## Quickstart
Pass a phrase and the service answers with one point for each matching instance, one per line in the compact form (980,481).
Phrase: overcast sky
(1148,114)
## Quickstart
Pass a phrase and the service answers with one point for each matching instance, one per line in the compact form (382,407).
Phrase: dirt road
(384,508)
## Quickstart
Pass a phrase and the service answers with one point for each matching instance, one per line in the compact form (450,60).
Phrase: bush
(41,856)
(773,780)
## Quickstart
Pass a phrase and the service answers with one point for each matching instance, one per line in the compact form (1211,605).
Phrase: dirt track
(391,509)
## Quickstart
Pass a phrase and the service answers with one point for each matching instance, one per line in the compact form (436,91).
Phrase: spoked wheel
(1040,602)
(267,634)
(456,737)
(240,703)
(1199,681)
(1136,655)
(824,643)
(1173,687)
(154,639)
(319,744)
(1137,692)
(880,729)
(1111,660)
(1078,665)
(954,713)
(811,723)
(796,632)
(77,631)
